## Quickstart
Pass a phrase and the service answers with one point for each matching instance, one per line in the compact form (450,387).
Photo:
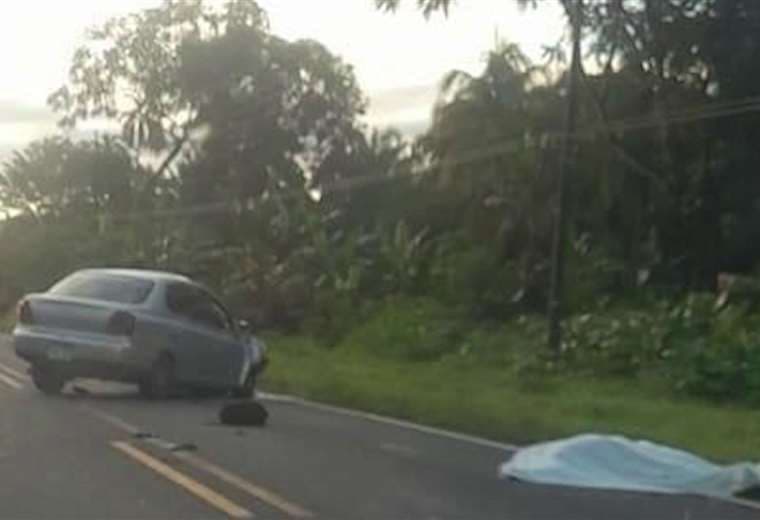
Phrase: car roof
(145,274)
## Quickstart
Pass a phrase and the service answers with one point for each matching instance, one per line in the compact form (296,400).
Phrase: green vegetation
(690,346)
(420,265)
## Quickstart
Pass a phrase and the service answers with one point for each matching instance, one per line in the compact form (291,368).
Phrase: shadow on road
(231,412)
(110,392)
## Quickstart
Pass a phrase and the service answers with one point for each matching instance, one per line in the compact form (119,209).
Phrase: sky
(399,58)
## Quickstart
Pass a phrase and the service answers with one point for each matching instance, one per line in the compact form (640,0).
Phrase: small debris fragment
(183,446)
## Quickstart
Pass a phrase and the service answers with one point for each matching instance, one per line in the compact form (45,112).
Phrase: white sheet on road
(613,462)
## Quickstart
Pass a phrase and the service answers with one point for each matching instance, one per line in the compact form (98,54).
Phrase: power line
(550,139)
(689,116)
(541,141)
(496,150)
(699,109)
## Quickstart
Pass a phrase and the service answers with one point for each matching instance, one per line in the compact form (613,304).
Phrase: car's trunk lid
(66,313)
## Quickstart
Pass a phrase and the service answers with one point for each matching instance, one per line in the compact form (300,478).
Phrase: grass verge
(495,404)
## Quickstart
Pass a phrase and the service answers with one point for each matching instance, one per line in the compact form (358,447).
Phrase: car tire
(47,381)
(249,387)
(159,383)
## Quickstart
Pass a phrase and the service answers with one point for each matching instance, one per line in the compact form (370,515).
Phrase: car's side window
(195,305)
(182,298)
(220,315)
(210,313)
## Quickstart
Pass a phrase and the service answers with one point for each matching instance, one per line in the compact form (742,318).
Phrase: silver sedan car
(159,330)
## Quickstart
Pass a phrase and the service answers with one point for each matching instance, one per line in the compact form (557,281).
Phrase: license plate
(59,354)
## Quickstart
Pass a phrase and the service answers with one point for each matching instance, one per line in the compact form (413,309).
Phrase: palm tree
(488,163)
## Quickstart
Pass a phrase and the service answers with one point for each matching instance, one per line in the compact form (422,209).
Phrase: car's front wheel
(47,381)
(159,383)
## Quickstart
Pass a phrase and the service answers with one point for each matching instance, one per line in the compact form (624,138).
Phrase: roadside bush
(724,364)
(698,349)
(473,278)
(592,276)
(517,346)
(613,343)
(412,329)
(724,372)
(333,315)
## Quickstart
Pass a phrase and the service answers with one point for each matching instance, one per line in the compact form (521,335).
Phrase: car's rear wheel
(160,382)
(47,381)
(249,387)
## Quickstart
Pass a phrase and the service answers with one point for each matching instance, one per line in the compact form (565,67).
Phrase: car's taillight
(121,323)
(24,312)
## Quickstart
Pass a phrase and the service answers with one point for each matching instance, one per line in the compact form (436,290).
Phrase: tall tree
(69,205)
(57,177)
(245,123)
(488,160)
(186,75)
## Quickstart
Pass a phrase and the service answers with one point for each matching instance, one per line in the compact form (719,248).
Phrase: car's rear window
(104,287)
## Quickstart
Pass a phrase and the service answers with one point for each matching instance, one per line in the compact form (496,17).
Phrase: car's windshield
(104,287)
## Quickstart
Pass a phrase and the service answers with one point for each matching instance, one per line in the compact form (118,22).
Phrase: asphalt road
(102,452)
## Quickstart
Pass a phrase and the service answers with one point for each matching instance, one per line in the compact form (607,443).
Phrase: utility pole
(566,157)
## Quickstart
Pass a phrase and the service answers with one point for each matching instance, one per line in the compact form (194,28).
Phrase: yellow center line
(13,372)
(194,487)
(11,382)
(266,496)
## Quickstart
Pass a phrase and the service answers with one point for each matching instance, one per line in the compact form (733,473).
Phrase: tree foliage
(242,159)
(57,177)
(189,81)
(428,7)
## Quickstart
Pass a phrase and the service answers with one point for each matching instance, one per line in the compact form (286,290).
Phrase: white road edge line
(284,398)
(128,428)
(13,372)
(472,439)
(11,382)
(741,502)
